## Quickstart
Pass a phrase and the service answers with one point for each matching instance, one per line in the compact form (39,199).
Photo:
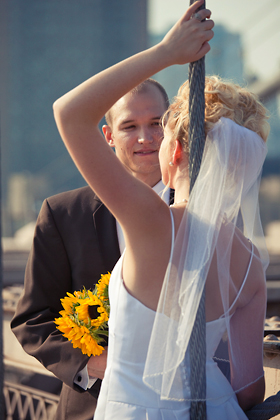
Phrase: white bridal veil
(223,202)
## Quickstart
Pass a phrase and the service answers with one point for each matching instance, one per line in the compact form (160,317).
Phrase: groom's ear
(107,132)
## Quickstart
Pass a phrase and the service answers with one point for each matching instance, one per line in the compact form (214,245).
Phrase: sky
(256,20)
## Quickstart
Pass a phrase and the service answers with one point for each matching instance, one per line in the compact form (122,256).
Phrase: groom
(76,240)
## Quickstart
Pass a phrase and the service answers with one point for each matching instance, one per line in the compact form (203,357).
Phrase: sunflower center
(92,311)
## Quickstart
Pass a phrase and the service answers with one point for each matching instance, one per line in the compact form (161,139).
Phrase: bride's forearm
(89,101)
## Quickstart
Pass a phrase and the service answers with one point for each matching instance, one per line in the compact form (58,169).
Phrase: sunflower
(91,310)
(102,287)
(84,318)
(69,301)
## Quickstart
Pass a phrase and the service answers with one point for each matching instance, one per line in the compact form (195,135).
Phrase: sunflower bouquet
(84,319)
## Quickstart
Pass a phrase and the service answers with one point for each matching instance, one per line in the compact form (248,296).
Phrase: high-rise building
(269,94)
(224,59)
(226,55)
(48,47)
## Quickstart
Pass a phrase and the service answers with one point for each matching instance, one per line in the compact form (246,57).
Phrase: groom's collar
(168,196)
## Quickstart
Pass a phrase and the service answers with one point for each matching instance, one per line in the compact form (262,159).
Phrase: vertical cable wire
(196,144)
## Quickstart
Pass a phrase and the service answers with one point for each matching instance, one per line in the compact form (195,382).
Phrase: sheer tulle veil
(224,201)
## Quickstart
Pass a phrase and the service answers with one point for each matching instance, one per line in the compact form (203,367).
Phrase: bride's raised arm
(79,112)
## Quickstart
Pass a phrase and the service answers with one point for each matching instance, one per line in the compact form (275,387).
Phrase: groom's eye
(129,127)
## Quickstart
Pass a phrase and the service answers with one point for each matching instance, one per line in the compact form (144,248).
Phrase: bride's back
(246,273)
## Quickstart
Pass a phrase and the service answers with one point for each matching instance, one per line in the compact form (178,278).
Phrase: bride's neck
(182,187)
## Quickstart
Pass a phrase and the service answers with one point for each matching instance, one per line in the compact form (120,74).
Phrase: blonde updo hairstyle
(222,99)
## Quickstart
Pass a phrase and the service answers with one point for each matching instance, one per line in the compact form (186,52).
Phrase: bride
(211,238)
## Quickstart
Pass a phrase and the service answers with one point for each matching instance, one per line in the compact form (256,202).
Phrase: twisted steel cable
(271,406)
(196,144)
(266,410)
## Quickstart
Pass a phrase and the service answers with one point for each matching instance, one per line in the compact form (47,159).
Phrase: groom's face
(136,132)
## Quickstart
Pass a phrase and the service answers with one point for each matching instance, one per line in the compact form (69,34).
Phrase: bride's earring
(171,163)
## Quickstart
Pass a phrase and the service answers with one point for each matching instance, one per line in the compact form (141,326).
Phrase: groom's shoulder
(81,199)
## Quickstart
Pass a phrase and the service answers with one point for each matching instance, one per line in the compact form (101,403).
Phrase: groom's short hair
(141,88)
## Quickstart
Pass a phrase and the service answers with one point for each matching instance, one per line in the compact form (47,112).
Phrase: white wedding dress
(123,395)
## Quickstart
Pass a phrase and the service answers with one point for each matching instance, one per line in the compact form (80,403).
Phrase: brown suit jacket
(75,242)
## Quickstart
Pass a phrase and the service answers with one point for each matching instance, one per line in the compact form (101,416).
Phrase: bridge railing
(26,403)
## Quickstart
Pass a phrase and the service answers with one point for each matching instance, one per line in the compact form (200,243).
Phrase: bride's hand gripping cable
(188,40)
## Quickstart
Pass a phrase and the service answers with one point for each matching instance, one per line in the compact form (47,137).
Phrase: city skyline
(46,57)
(258,24)
(46,50)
